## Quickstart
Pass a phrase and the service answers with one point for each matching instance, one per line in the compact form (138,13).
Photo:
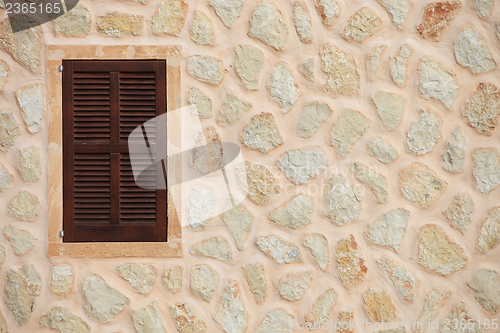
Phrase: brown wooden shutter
(103,101)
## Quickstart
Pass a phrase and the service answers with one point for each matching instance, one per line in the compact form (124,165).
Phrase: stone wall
(369,128)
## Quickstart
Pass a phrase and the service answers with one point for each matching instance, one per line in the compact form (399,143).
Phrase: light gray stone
(9,130)
(64,321)
(486,287)
(172,279)
(460,314)
(404,280)
(391,108)
(328,10)
(399,65)
(321,308)
(363,24)
(374,59)
(434,301)
(202,30)
(4,73)
(374,180)
(201,203)
(214,247)
(256,278)
(342,203)
(420,185)
(313,115)
(231,313)
(238,221)
(62,279)
(206,69)
(282,87)
(306,68)
(249,61)
(436,19)
(201,104)
(22,241)
(294,285)
(2,256)
(257,181)
(302,164)
(303,24)
(378,306)
(117,24)
(486,169)
(398,10)
(268,25)
(227,10)
(454,156)
(350,262)
(489,236)
(279,249)
(32,102)
(459,210)
(295,214)
(22,289)
(277,321)
(342,77)
(204,281)
(186,320)
(437,82)
(261,133)
(389,229)
(169,17)
(140,277)
(75,23)
(29,164)
(424,132)
(102,302)
(147,320)
(25,206)
(471,50)
(484,8)
(483,108)
(5,178)
(382,150)
(349,128)
(318,246)
(208,156)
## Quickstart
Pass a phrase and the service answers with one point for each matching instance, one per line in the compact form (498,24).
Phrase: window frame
(56,247)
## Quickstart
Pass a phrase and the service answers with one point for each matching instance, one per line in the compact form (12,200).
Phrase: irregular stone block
(471,50)
(75,23)
(318,246)
(116,24)
(349,128)
(147,320)
(66,322)
(22,289)
(249,61)
(484,8)
(173,279)
(342,203)
(302,164)
(420,185)
(62,279)
(282,87)
(373,61)
(261,133)
(363,24)
(208,156)
(206,69)
(321,308)
(328,10)
(399,64)
(459,210)
(268,25)
(32,102)
(214,247)
(460,314)
(424,132)
(202,30)
(204,281)
(5,178)
(437,17)
(279,249)
(227,10)
(140,277)
(346,322)
(486,287)
(378,306)
(453,158)
(25,206)
(433,303)
(256,278)
(232,109)
(202,105)
(238,221)
(391,108)
(489,236)
(294,285)
(389,229)
(486,169)
(257,181)
(186,320)
(342,77)
(169,17)
(483,108)
(437,82)
(403,279)
(375,181)
(313,115)
(9,130)
(231,313)
(303,24)
(277,321)
(382,150)
(295,214)
(398,10)
(22,241)
(29,164)
(306,68)
(201,203)
(350,262)
(4,73)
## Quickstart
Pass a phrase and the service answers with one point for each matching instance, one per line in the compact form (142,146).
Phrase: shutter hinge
(61,233)
(61,67)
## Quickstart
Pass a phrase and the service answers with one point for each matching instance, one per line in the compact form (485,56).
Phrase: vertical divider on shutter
(114,86)
(161,142)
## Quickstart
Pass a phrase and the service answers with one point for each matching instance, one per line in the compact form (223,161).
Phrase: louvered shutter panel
(103,102)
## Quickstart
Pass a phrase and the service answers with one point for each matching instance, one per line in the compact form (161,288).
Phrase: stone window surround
(54,55)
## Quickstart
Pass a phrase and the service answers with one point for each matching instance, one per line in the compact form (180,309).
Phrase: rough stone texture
(238,221)
(361,25)
(249,61)
(186,320)
(489,236)
(459,210)
(375,181)
(5,178)
(433,303)
(484,8)
(22,289)
(29,164)
(24,46)
(294,285)
(282,87)
(2,257)
(279,249)
(202,30)
(147,320)
(25,206)
(169,17)
(453,158)
(116,24)
(4,73)
(486,287)
(398,10)
(268,25)
(66,322)
(321,308)
(208,156)
(257,181)
(404,280)
(230,312)
(303,24)
(391,108)
(9,130)
(141,277)
(373,61)
(75,23)
(204,281)
(318,246)
(277,321)
(437,82)
(22,241)
(214,247)
(261,133)
(232,109)
(483,108)
(227,10)
(350,263)
(32,102)
(102,302)
(420,185)
(471,50)
(382,150)
(437,17)
(437,252)
(349,128)
(342,202)
(313,115)
(295,214)
(399,64)
(424,132)
(202,105)
(302,164)
(62,279)
(342,77)
(460,314)
(256,278)
(346,322)
(201,203)
(389,229)
(206,69)
(306,68)
(486,169)
(378,306)
(328,10)
(172,279)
